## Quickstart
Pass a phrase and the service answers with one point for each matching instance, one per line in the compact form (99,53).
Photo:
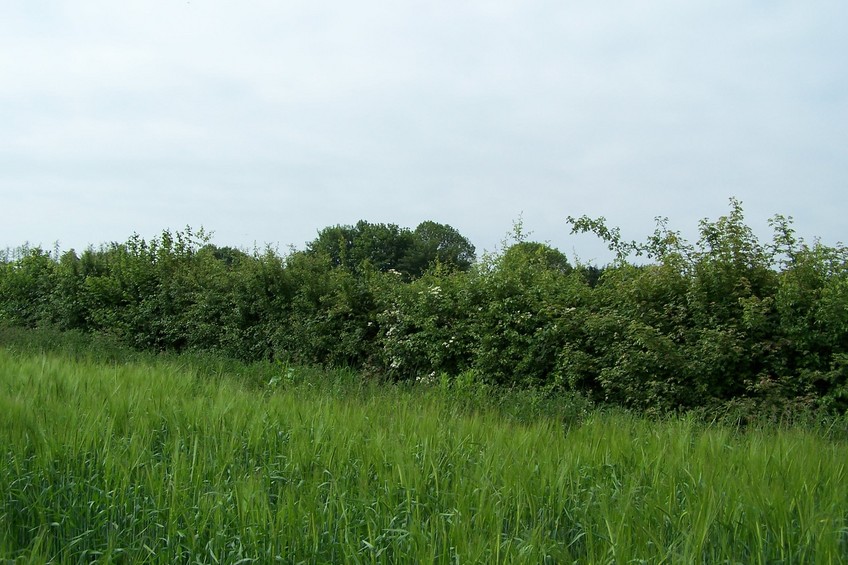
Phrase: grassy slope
(148,462)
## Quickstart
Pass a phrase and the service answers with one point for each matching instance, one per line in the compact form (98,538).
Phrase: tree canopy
(387,247)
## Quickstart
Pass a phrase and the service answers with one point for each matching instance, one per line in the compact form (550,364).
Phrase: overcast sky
(265,121)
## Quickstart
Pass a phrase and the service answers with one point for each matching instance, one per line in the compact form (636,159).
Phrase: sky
(265,121)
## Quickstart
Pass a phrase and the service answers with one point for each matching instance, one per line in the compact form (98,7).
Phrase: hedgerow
(667,326)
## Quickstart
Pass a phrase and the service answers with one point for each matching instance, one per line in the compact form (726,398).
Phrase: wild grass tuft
(152,461)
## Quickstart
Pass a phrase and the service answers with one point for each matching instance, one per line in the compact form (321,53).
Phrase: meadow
(179,459)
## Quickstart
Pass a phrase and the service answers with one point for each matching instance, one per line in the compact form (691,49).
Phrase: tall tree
(382,246)
(387,247)
(435,242)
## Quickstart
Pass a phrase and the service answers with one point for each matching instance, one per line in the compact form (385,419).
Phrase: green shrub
(728,318)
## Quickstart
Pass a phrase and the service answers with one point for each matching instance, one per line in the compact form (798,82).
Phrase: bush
(726,322)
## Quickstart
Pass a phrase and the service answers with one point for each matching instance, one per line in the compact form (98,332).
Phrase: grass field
(159,461)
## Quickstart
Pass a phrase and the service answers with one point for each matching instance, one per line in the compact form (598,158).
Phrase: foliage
(389,248)
(726,321)
(441,244)
(427,326)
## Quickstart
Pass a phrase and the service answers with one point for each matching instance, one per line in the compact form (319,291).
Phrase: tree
(387,247)
(382,246)
(439,243)
(536,254)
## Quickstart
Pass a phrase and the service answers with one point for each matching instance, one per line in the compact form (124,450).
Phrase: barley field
(154,461)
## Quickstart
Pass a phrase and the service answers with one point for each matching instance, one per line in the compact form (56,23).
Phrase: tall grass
(155,462)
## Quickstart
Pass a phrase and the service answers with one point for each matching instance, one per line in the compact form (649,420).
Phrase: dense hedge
(727,321)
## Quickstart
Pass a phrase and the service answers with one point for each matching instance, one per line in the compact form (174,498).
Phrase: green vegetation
(384,397)
(111,456)
(727,327)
